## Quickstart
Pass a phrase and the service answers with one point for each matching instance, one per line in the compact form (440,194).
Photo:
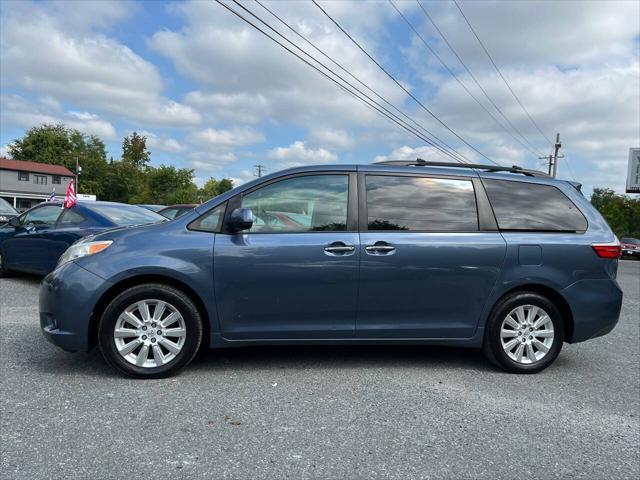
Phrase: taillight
(607,250)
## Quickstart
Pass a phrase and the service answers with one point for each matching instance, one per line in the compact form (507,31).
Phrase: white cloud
(331,138)
(89,70)
(17,111)
(163,143)
(226,138)
(298,154)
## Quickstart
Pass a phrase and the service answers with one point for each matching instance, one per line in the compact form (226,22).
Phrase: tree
(621,211)
(134,151)
(213,188)
(59,145)
(170,185)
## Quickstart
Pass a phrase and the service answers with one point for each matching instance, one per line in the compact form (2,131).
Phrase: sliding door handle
(339,248)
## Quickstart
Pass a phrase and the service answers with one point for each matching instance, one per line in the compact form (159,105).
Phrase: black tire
(492,345)
(181,302)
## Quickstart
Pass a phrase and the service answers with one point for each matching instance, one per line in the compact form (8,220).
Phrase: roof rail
(488,168)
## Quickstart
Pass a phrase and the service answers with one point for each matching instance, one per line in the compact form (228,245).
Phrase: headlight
(83,249)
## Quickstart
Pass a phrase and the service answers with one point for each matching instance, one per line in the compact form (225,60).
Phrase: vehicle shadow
(319,357)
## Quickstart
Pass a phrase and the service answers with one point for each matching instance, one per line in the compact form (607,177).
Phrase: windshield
(6,208)
(633,241)
(125,215)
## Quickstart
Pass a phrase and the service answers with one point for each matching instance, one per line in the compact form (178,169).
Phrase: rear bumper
(67,298)
(595,305)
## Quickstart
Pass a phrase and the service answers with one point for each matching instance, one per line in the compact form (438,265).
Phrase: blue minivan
(404,252)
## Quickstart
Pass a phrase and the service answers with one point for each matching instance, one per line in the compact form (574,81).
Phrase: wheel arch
(553,295)
(133,281)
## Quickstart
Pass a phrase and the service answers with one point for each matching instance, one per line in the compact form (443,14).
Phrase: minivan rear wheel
(524,333)
(150,331)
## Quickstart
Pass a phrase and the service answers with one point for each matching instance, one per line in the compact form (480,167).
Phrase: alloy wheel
(527,334)
(149,333)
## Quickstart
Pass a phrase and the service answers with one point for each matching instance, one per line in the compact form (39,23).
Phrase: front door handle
(380,247)
(339,247)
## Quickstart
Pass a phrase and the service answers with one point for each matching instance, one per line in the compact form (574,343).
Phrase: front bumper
(595,305)
(67,298)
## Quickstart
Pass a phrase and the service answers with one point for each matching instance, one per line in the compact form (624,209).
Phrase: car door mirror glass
(240,219)
(14,222)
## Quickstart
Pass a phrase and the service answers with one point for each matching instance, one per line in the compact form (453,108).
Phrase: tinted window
(300,204)
(210,221)
(170,213)
(6,208)
(531,206)
(123,215)
(42,216)
(70,217)
(420,204)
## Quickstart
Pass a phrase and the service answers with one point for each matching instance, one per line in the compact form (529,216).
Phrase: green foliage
(134,151)
(58,145)
(213,188)
(621,211)
(129,180)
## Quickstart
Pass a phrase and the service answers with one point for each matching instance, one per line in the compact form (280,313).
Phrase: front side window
(42,216)
(420,204)
(312,203)
(533,207)
(23,176)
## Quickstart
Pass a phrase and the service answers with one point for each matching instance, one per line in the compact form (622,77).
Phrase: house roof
(22,166)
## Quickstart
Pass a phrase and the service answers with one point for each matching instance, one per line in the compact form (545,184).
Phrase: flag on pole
(70,196)
(52,197)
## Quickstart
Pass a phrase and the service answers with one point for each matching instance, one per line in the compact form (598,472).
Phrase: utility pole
(259,169)
(555,155)
(553,159)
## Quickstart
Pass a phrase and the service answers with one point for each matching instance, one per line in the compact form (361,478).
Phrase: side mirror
(14,222)
(240,219)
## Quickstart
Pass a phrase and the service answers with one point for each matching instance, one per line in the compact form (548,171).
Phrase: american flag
(70,196)
(52,197)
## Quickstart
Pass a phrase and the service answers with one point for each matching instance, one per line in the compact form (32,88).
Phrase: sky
(212,94)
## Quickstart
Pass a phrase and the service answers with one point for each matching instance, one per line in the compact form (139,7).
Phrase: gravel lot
(320,412)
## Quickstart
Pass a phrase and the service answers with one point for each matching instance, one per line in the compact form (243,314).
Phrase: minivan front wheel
(150,331)
(525,333)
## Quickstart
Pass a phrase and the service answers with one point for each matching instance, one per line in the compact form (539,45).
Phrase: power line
(399,84)
(473,77)
(394,107)
(500,73)
(426,44)
(379,110)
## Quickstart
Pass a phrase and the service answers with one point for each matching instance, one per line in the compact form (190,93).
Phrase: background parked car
(174,211)
(630,247)
(7,212)
(34,241)
(153,208)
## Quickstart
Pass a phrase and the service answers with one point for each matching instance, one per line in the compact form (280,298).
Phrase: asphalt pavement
(319,412)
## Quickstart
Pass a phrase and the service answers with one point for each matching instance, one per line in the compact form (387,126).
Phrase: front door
(28,248)
(294,274)
(426,269)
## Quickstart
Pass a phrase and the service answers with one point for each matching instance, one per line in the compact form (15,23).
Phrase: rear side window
(533,207)
(69,217)
(420,204)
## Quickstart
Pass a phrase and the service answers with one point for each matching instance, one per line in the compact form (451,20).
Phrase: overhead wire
(422,105)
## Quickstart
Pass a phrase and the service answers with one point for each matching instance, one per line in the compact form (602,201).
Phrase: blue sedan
(34,241)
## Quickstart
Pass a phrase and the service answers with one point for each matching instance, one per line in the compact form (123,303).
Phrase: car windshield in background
(6,208)
(125,215)
(632,241)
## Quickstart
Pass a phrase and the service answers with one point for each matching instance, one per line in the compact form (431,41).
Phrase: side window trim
(364,213)
(352,199)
